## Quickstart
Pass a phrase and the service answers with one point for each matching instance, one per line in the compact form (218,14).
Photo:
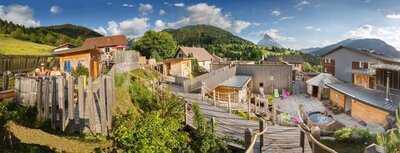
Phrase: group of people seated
(42,71)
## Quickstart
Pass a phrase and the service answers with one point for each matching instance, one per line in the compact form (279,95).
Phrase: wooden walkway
(278,139)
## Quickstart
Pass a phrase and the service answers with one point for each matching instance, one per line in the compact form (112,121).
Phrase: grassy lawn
(11,46)
(56,143)
(344,147)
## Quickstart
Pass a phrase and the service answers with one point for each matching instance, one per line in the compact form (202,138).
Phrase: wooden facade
(89,58)
(368,113)
(337,98)
(363,80)
(179,67)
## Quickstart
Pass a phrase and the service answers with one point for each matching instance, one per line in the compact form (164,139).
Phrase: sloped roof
(237,81)
(375,98)
(200,54)
(365,52)
(74,50)
(296,59)
(106,41)
(322,79)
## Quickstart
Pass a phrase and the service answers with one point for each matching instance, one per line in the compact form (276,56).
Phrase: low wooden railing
(250,139)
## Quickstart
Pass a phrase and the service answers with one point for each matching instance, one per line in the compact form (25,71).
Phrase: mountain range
(268,41)
(378,46)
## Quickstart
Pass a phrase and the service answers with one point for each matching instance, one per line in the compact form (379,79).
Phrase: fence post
(186,113)
(247,138)
(213,124)
(214,100)
(261,127)
(316,133)
(229,103)
(248,108)
(302,140)
(274,113)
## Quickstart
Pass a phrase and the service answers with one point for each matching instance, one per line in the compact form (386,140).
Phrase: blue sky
(293,23)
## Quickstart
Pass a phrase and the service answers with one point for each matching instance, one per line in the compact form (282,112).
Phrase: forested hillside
(223,43)
(204,35)
(73,31)
(53,36)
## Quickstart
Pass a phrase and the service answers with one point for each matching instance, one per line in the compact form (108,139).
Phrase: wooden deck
(278,139)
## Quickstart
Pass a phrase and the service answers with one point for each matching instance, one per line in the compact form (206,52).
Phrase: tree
(157,45)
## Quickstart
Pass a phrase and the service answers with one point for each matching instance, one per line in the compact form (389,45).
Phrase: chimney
(387,98)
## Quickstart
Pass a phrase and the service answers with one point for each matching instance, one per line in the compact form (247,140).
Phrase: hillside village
(192,90)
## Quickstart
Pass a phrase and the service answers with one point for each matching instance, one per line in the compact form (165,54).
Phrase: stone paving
(291,104)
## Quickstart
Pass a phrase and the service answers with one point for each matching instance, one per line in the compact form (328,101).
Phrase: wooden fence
(71,104)
(22,63)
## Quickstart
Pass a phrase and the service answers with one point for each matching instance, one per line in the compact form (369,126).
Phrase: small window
(107,49)
(261,84)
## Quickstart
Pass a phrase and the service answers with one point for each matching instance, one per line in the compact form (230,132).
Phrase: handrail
(254,138)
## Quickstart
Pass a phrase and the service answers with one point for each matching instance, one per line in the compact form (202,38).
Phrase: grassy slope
(57,143)
(11,46)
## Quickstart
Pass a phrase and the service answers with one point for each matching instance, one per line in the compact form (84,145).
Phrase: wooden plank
(81,98)
(53,102)
(89,105)
(70,90)
(101,102)
(109,100)
(60,103)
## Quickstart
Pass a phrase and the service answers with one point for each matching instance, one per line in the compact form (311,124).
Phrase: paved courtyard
(291,104)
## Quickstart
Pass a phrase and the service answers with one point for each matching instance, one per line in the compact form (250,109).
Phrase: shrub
(80,70)
(357,135)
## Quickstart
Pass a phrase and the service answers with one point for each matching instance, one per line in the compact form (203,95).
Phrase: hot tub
(325,122)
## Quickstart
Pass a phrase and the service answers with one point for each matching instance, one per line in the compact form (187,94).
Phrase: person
(55,72)
(42,71)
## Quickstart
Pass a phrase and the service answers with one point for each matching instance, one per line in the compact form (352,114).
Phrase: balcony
(365,71)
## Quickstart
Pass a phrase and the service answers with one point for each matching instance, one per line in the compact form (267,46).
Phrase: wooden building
(236,89)
(204,59)
(92,54)
(372,89)
(316,86)
(177,67)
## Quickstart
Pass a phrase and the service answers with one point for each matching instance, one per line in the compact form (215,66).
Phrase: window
(107,49)
(261,84)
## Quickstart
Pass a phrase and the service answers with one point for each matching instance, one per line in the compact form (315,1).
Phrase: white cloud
(162,12)
(387,34)
(286,18)
(203,13)
(145,9)
(276,13)
(256,23)
(18,14)
(101,30)
(159,25)
(127,5)
(393,16)
(239,25)
(312,28)
(179,4)
(133,28)
(301,4)
(275,34)
(55,9)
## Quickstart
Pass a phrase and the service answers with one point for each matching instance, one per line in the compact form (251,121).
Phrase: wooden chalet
(92,54)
